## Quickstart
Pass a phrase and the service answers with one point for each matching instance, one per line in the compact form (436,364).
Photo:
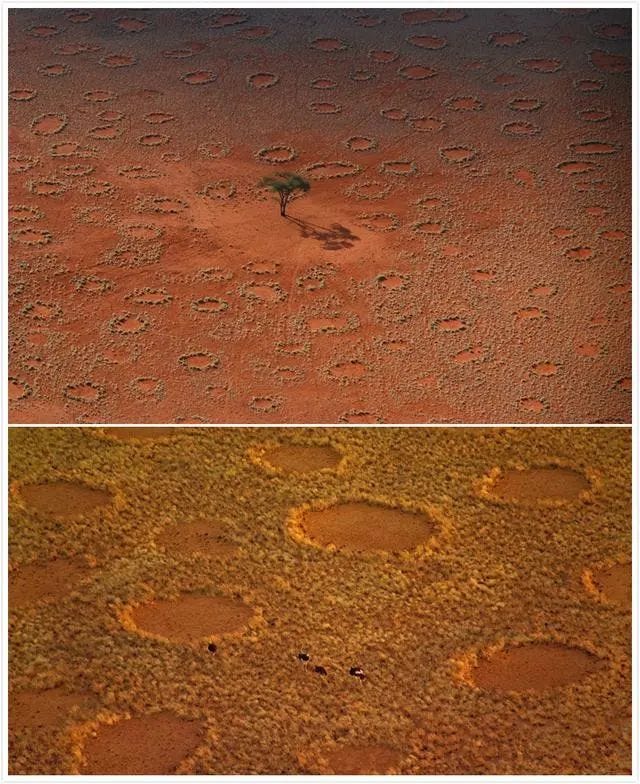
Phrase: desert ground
(343,600)
(463,254)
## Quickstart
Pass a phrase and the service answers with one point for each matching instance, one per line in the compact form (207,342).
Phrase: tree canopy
(285,184)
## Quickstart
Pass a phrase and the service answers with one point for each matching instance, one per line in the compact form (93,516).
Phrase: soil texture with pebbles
(418,601)
(480,155)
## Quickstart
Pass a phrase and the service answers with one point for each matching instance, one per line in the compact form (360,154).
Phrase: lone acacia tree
(285,184)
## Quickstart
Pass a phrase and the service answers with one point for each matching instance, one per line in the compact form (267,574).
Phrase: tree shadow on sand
(334,237)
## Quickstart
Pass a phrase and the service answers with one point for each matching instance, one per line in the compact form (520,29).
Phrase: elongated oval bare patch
(361,526)
(535,667)
(302,458)
(46,581)
(143,745)
(65,499)
(540,484)
(192,618)
(143,433)
(362,760)
(614,582)
(45,709)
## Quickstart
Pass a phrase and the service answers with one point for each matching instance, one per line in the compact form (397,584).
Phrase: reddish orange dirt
(142,746)
(463,254)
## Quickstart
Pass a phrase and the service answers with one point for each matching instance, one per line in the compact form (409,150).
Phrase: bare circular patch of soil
(18,390)
(210,305)
(333,169)
(47,709)
(44,31)
(54,69)
(581,253)
(530,314)
(540,484)
(99,96)
(261,81)
(394,114)
(46,581)
(348,370)
(535,667)
(301,458)
(191,618)
(200,360)
(520,129)
(589,85)
(525,104)
(118,60)
(276,154)
(575,167)
(594,148)
(153,139)
(48,124)
(613,32)
(360,526)
(383,56)
(609,62)
(227,19)
(151,297)
(328,44)
(79,17)
(532,405)
(432,15)
(142,745)
(131,24)
(322,83)
(256,33)
(511,38)
(464,103)
(362,760)
(379,221)
(264,292)
(64,499)
(29,236)
(84,392)
(22,94)
(427,41)
(141,433)
(614,583)
(199,77)
(458,154)
(371,190)
(426,124)
(214,150)
(399,168)
(417,72)
(361,143)
(594,115)
(128,324)
(541,65)
(545,369)
(325,107)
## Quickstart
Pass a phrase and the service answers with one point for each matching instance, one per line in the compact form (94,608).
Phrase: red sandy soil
(536,483)
(614,583)
(165,738)
(463,254)
(535,667)
(359,526)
